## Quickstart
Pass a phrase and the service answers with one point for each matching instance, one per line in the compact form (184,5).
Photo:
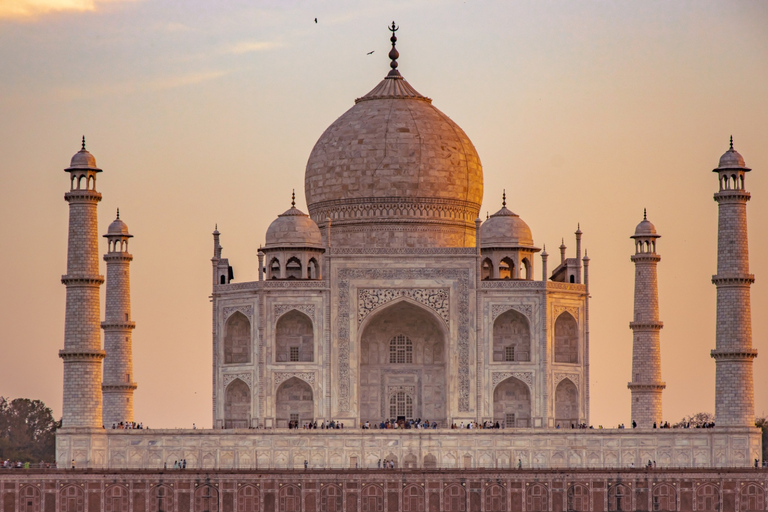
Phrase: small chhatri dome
(293,228)
(645,229)
(731,159)
(505,229)
(118,227)
(83,160)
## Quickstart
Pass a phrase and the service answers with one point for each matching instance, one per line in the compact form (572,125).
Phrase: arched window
(495,498)
(619,498)
(401,404)
(72,499)
(294,403)
(525,269)
(512,403)
(578,498)
(752,497)
(413,498)
(248,498)
(566,339)
(454,498)
(372,498)
(708,497)
(487,271)
(206,499)
(506,268)
(400,350)
(162,499)
(274,269)
(664,498)
(313,269)
(536,497)
(293,269)
(116,499)
(30,500)
(331,499)
(290,497)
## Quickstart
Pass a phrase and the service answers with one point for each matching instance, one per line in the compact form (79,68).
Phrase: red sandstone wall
(380,491)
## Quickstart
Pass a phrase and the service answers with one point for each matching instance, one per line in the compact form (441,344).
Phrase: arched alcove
(566,339)
(511,338)
(237,339)
(237,405)
(294,338)
(403,363)
(512,403)
(487,270)
(294,402)
(566,404)
(293,268)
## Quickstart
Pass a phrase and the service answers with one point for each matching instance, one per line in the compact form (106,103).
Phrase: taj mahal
(392,299)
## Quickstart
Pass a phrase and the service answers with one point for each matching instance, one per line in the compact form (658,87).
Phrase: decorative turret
(646,385)
(82,352)
(506,245)
(733,354)
(222,272)
(118,383)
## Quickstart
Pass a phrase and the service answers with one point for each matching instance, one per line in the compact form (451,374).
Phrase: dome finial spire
(645,214)
(83,146)
(504,198)
(293,198)
(731,142)
(118,213)
(393,53)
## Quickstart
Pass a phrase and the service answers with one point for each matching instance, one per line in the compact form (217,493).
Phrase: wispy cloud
(157,84)
(32,9)
(251,46)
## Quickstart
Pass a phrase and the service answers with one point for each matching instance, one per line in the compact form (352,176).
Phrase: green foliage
(27,430)
(699,419)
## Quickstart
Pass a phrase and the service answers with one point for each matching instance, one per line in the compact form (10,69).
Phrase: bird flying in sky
(370,52)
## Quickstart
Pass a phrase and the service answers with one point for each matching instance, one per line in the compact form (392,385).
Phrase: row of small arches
(732,182)
(507,269)
(118,245)
(294,339)
(76,181)
(293,269)
(645,246)
(331,497)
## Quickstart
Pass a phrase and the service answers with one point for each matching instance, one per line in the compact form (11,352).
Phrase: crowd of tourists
(127,425)
(9,464)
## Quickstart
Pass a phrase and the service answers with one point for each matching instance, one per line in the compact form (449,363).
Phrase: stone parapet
(281,448)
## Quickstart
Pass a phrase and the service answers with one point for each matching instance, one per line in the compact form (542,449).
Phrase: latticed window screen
(294,417)
(401,404)
(294,353)
(509,420)
(509,353)
(400,350)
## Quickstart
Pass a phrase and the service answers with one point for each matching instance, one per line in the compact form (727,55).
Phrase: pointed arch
(708,497)
(512,403)
(454,498)
(372,498)
(566,339)
(413,498)
(752,497)
(72,499)
(619,498)
(578,498)
(507,268)
(566,404)
(403,349)
(273,269)
(313,269)
(331,499)
(495,498)
(487,269)
(294,338)
(237,405)
(293,268)
(294,403)
(537,497)
(206,499)
(526,269)
(664,498)
(161,499)
(29,499)
(511,337)
(248,498)
(290,498)
(237,339)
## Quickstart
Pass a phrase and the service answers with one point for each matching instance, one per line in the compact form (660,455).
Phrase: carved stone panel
(308,377)
(245,309)
(369,299)
(229,377)
(307,309)
(498,309)
(526,377)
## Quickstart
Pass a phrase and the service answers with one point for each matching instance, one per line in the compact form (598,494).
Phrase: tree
(27,430)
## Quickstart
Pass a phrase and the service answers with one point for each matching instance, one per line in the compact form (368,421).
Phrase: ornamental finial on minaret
(731,142)
(645,214)
(118,213)
(83,146)
(293,198)
(393,54)
(504,198)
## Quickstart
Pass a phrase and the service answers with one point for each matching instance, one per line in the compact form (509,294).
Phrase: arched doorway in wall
(403,364)
(237,339)
(237,405)
(511,338)
(294,403)
(294,338)
(566,339)
(512,403)
(566,404)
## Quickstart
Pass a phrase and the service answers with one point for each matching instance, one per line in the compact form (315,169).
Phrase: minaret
(118,384)
(646,385)
(733,355)
(82,352)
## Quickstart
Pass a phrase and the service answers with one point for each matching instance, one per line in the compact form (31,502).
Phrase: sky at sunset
(204,112)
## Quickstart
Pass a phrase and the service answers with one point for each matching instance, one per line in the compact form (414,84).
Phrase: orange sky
(205,112)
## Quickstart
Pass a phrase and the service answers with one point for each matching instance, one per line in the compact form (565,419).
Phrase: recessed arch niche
(511,337)
(512,403)
(294,338)
(403,355)
(237,405)
(237,339)
(294,401)
(566,339)
(566,404)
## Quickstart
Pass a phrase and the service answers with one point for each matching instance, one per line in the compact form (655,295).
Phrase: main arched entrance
(403,365)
